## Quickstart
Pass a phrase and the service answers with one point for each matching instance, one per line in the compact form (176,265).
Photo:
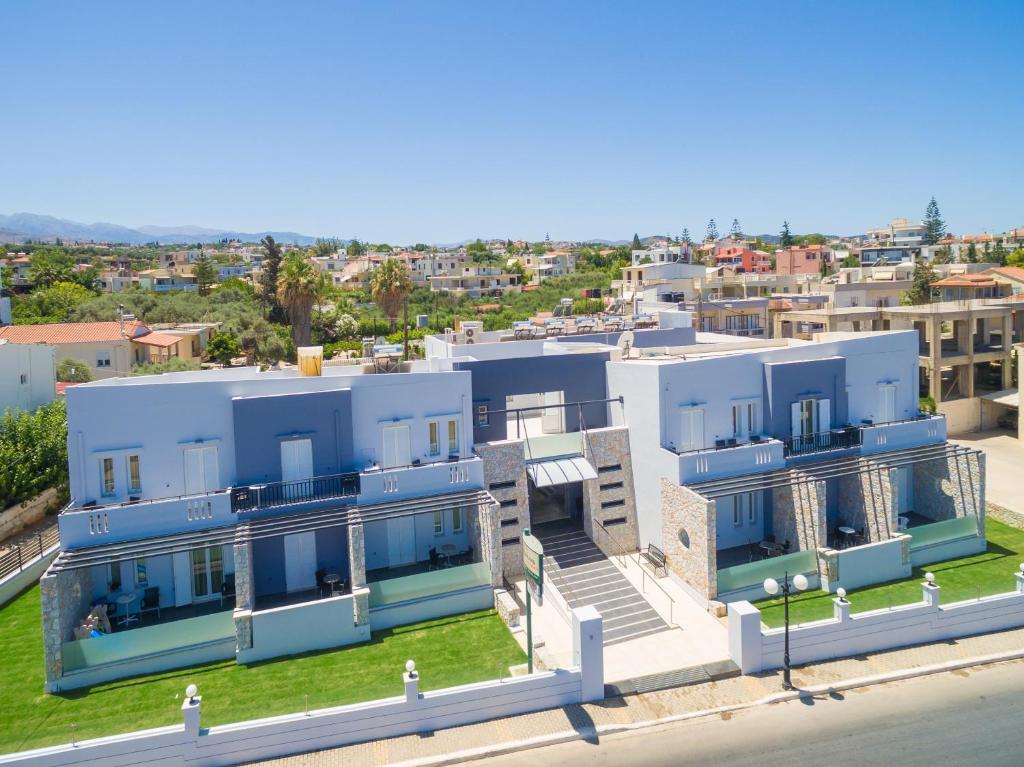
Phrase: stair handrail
(643,572)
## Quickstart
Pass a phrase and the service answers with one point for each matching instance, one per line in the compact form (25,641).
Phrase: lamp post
(772,587)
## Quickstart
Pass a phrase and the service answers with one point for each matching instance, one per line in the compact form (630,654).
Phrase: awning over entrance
(560,471)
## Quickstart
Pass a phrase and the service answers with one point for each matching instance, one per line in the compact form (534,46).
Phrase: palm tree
(297,287)
(389,286)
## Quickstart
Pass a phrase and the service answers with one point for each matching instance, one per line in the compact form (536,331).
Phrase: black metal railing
(837,439)
(29,550)
(275,494)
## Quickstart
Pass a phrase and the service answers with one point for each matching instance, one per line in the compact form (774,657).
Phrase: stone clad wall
(357,571)
(65,601)
(951,487)
(605,449)
(798,512)
(244,597)
(688,537)
(867,500)
(483,532)
(506,462)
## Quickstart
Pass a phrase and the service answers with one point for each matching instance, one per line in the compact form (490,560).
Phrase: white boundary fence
(754,648)
(189,744)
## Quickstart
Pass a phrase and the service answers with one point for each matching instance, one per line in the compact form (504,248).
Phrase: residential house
(476,280)
(255,514)
(965,287)
(5,302)
(552,263)
(27,376)
(109,349)
(744,260)
(808,259)
(746,317)
(1012,277)
(115,280)
(167,280)
(789,457)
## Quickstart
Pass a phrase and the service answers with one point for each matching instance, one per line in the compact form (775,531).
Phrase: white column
(588,651)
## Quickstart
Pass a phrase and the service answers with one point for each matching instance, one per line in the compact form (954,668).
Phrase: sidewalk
(586,721)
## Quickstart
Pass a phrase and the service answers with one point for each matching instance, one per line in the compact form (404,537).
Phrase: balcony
(273,495)
(923,429)
(379,485)
(837,439)
(730,460)
(93,526)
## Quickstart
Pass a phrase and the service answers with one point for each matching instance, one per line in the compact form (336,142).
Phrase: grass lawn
(981,575)
(448,651)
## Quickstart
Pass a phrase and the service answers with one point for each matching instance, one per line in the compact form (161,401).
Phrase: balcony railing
(837,439)
(274,494)
(730,459)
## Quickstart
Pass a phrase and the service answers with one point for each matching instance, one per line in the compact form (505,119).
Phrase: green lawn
(966,578)
(448,651)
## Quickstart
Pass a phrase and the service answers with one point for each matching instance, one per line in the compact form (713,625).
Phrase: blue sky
(440,121)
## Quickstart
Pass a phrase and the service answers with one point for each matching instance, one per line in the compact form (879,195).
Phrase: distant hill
(23,226)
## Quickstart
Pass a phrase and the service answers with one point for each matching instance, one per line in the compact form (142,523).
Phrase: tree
(1016,258)
(172,365)
(270,267)
(222,347)
(297,289)
(50,265)
(205,273)
(942,256)
(999,253)
(56,303)
(325,247)
(390,286)
(685,237)
(711,235)
(33,453)
(735,229)
(921,285)
(355,248)
(934,226)
(850,262)
(73,371)
(785,238)
(972,254)
(636,242)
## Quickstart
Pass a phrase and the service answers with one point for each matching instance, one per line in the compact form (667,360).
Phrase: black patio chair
(320,584)
(150,601)
(435,559)
(785,547)
(466,557)
(227,589)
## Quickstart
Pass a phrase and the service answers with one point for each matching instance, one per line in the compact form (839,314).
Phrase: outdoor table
(848,533)
(332,579)
(769,548)
(126,600)
(448,549)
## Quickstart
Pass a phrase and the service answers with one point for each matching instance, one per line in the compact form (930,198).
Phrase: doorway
(556,503)
(401,541)
(207,573)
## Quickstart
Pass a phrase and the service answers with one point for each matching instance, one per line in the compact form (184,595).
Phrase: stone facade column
(935,359)
(483,531)
(357,572)
(505,479)
(65,597)
(866,499)
(245,596)
(611,496)
(798,512)
(688,526)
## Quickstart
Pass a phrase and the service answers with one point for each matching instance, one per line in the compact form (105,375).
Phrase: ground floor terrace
(267,587)
(847,521)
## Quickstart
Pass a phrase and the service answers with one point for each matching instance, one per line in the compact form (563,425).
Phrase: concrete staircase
(584,576)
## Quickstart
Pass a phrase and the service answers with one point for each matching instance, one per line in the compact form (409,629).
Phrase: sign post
(533,568)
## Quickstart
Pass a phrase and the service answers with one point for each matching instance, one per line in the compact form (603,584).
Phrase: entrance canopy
(560,471)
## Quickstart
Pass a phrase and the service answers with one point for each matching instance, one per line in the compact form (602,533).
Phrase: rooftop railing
(837,439)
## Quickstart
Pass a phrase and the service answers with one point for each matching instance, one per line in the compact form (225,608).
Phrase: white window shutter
(698,429)
(795,419)
(824,415)
(685,430)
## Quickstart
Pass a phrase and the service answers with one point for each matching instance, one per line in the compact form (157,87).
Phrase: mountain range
(19,227)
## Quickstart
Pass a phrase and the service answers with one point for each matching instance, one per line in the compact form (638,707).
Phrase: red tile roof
(72,332)
(1012,272)
(965,281)
(162,340)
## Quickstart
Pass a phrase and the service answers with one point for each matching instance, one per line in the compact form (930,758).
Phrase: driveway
(1004,464)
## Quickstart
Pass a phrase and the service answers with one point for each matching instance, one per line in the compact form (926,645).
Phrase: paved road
(971,717)
(1004,455)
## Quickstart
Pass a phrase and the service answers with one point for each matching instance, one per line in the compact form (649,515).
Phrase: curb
(567,736)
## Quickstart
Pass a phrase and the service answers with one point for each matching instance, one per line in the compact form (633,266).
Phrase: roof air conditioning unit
(470,332)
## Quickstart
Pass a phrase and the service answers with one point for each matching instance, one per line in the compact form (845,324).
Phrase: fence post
(588,652)
(18,549)
(1020,579)
(190,708)
(931,590)
(412,682)
(745,639)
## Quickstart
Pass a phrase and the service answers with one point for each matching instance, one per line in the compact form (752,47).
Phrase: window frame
(106,490)
(433,438)
(458,512)
(134,477)
(438,524)
(454,450)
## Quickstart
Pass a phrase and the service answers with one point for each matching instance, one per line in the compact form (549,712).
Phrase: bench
(656,557)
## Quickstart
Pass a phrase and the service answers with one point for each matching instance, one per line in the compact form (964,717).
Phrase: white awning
(560,471)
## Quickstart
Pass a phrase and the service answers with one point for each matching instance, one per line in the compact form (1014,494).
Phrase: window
(114,577)
(435,438)
(103,359)
(886,403)
(107,475)
(453,437)
(737,511)
(24,378)
(483,418)
(134,474)
(744,418)
(457,519)
(438,523)
(141,575)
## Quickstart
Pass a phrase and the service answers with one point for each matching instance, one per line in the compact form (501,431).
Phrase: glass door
(207,573)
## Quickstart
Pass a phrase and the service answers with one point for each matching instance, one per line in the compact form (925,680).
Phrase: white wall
(38,364)
(754,649)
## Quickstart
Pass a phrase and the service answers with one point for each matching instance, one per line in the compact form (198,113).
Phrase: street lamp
(773,587)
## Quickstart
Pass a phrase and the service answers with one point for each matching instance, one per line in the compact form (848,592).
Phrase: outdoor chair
(320,575)
(466,557)
(227,589)
(435,559)
(150,600)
